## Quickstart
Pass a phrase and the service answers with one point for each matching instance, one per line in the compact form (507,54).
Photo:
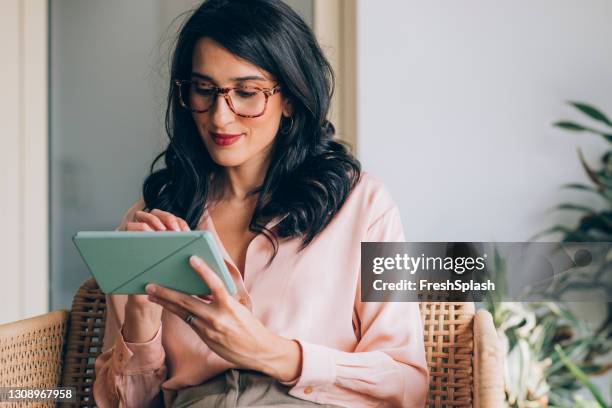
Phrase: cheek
(267,131)
(262,130)
(200,120)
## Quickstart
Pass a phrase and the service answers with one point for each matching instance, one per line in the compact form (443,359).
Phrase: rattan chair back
(447,327)
(84,342)
(449,347)
(31,353)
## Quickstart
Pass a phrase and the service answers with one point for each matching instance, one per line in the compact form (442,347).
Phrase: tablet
(123,262)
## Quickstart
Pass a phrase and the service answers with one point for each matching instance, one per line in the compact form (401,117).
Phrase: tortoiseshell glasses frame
(216,91)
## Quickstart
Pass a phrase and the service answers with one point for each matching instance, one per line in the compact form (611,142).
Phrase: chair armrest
(488,363)
(31,351)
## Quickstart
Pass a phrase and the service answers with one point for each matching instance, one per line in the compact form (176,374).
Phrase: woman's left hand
(230,329)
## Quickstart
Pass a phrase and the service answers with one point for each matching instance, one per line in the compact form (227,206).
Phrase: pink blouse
(354,354)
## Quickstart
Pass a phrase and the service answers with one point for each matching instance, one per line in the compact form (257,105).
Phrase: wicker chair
(30,353)
(462,349)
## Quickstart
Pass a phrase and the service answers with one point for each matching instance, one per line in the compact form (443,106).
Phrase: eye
(204,90)
(246,92)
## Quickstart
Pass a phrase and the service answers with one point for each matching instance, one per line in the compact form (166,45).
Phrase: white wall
(23,168)
(454,112)
(106,124)
(455,106)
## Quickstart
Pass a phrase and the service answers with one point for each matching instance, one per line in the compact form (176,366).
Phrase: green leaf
(597,226)
(606,194)
(605,176)
(574,351)
(592,112)
(574,207)
(581,376)
(557,229)
(567,125)
(590,172)
(575,127)
(578,186)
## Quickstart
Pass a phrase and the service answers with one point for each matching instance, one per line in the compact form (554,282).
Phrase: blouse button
(243,301)
(308,390)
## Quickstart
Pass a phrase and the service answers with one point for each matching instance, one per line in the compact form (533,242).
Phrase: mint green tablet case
(123,262)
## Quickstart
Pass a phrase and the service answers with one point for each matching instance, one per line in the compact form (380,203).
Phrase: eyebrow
(235,79)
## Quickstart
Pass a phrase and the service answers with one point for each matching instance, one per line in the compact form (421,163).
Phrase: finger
(183,224)
(150,219)
(177,298)
(216,285)
(138,226)
(209,298)
(167,218)
(175,309)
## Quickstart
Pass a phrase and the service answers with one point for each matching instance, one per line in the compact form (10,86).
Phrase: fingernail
(196,260)
(150,288)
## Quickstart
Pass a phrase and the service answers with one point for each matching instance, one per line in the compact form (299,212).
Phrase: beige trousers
(240,388)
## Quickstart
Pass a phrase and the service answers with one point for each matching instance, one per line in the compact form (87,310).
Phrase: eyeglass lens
(244,101)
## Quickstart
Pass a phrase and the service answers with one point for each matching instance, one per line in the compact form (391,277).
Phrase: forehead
(213,60)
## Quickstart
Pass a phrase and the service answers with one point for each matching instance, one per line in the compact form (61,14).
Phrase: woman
(251,158)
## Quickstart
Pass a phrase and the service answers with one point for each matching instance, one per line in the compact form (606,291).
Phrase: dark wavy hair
(310,175)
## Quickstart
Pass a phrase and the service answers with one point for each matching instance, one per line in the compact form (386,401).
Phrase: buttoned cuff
(133,358)
(318,370)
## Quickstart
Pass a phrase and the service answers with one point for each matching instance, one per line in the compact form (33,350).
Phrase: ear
(287,107)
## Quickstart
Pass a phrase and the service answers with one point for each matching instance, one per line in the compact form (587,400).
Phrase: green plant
(582,377)
(536,374)
(594,225)
(549,351)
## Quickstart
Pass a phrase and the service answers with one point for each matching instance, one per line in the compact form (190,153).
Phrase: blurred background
(109,64)
(450,104)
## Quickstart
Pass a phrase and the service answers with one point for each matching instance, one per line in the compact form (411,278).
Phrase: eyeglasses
(245,101)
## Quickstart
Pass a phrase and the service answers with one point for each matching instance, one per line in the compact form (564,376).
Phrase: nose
(221,112)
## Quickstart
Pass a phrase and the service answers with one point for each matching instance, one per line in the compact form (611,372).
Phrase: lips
(225,139)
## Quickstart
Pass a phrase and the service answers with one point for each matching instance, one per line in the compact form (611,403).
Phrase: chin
(225,156)
(227,159)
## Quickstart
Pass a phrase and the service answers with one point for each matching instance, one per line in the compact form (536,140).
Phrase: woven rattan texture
(449,345)
(85,336)
(31,354)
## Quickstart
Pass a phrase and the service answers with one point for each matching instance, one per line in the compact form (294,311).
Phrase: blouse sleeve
(128,374)
(388,367)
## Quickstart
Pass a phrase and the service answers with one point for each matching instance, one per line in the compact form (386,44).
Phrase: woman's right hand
(142,317)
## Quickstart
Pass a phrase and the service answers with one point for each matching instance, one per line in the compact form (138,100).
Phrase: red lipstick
(225,139)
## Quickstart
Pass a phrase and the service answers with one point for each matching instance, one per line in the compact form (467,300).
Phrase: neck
(241,180)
